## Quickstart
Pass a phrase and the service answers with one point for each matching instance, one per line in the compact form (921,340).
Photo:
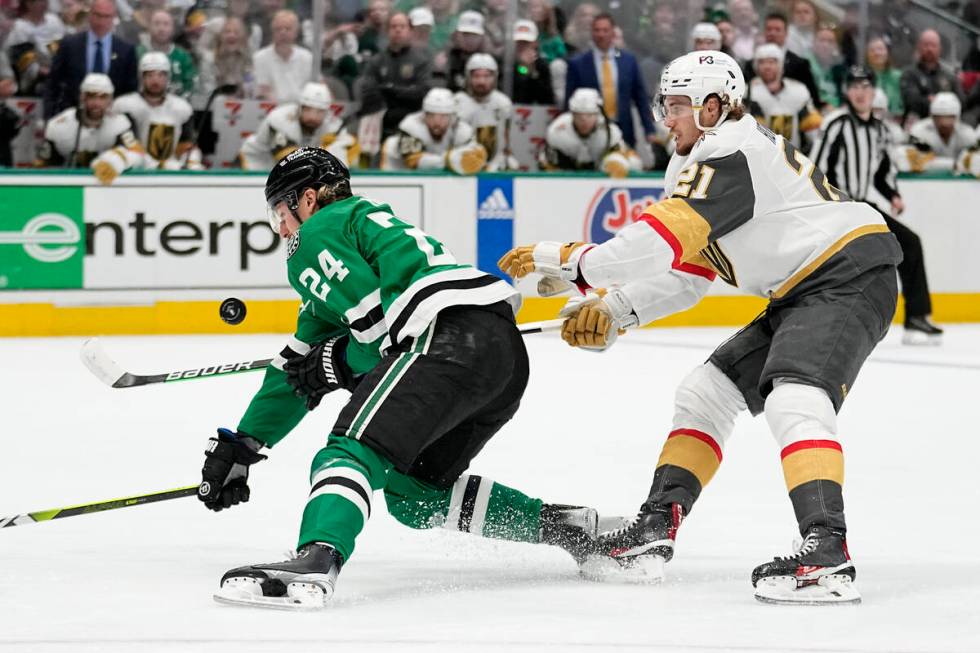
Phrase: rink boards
(154,252)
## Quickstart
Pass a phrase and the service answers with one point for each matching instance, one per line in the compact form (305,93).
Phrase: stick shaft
(99,506)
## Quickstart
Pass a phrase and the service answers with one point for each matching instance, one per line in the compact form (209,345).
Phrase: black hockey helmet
(307,167)
(859,74)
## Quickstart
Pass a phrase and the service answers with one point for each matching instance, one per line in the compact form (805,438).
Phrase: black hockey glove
(322,370)
(224,479)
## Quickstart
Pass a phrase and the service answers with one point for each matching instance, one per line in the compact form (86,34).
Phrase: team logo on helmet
(292,245)
(616,207)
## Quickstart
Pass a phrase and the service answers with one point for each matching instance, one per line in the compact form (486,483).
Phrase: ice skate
(305,582)
(573,528)
(637,552)
(920,330)
(820,572)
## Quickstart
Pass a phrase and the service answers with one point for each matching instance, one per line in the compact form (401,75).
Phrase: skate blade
(830,590)
(643,570)
(613,523)
(919,339)
(300,597)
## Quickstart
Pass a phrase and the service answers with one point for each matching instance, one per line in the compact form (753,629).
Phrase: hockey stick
(112,504)
(109,372)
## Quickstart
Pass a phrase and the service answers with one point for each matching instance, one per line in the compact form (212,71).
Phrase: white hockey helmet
(945,104)
(439,100)
(97,84)
(154,61)
(698,75)
(706,32)
(316,96)
(585,100)
(480,61)
(768,51)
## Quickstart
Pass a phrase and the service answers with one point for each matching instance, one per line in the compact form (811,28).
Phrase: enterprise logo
(43,232)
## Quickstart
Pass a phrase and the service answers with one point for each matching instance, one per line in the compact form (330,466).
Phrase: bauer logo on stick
(232,311)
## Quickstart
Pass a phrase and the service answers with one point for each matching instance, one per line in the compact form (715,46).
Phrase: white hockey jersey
(413,148)
(789,113)
(280,133)
(63,138)
(566,150)
(747,206)
(927,150)
(490,119)
(164,130)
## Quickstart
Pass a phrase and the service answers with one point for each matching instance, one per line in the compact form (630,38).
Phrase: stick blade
(100,364)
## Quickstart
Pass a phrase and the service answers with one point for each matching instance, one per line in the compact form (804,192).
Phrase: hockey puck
(232,311)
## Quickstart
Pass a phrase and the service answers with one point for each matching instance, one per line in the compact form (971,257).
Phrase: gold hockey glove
(549,258)
(597,319)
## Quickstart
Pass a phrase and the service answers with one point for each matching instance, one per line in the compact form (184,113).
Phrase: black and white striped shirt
(853,153)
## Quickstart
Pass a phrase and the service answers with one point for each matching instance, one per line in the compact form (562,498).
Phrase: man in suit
(93,51)
(616,75)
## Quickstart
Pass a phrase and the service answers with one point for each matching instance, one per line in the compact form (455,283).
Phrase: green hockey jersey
(360,270)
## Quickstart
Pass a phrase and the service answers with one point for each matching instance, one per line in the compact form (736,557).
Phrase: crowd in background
(384,57)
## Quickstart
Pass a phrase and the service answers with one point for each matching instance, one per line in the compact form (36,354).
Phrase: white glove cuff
(547,260)
(621,309)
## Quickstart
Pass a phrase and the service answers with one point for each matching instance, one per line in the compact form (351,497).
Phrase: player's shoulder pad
(414,125)
(116,122)
(129,103)
(464,133)
(284,113)
(501,100)
(922,128)
(181,107)
(67,120)
(728,138)
(562,123)
(615,133)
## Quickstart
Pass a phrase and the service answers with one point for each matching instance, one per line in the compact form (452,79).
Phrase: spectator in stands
(495,26)
(615,74)
(825,64)
(532,75)
(706,36)
(888,78)
(727,31)
(91,135)
(444,14)
(746,23)
(970,81)
(783,105)
(9,119)
(162,121)
(550,44)
(74,15)
(240,9)
(803,28)
(134,28)
(228,63)
(291,126)
(487,111)
(433,139)
(794,66)
(397,78)
(282,68)
(468,39)
(372,38)
(340,61)
(183,74)
(93,51)
(262,19)
(936,142)
(927,76)
(32,40)
(583,138)
(578,33)
(421,20)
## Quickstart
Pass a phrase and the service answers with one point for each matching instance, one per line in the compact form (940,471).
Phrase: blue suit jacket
(68,69)
(629,89)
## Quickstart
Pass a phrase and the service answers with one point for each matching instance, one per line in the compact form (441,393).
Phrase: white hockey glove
(548,258)
(597,319)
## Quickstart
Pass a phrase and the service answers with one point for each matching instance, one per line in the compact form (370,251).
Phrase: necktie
(608,88)
(98,63)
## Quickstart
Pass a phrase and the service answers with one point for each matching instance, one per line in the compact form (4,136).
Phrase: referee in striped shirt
(853,152)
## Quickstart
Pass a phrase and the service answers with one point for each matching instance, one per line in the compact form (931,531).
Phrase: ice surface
(140,579)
